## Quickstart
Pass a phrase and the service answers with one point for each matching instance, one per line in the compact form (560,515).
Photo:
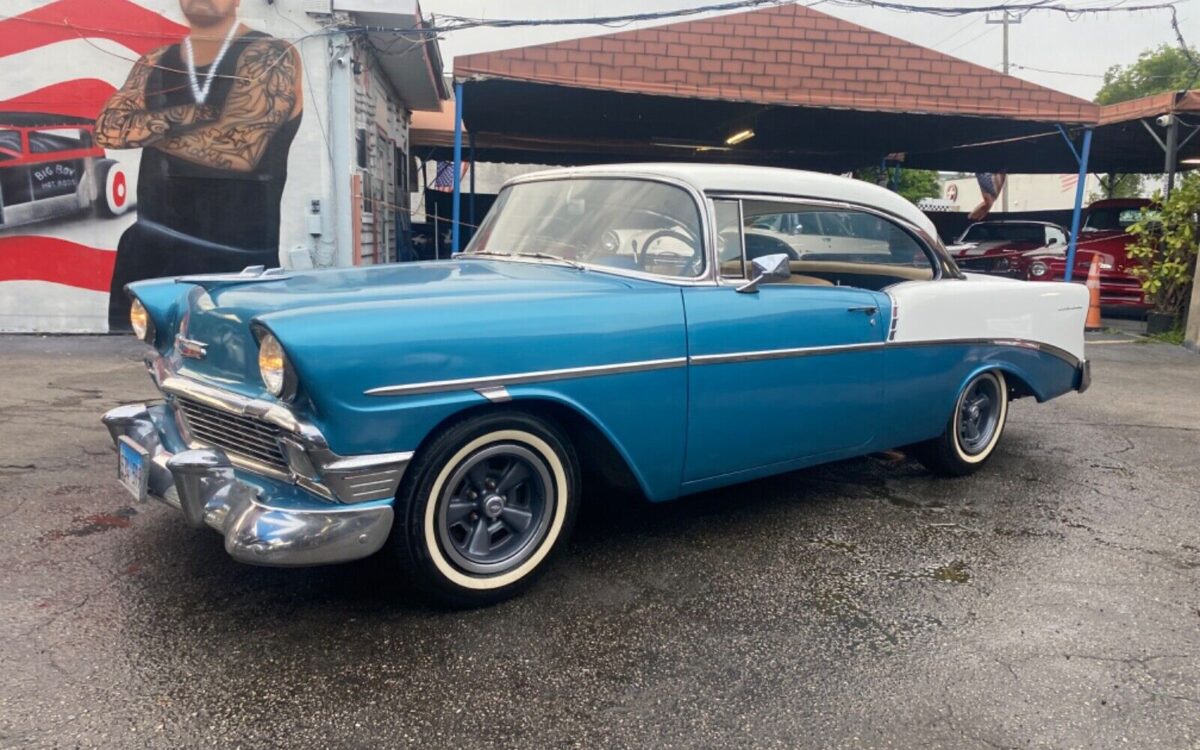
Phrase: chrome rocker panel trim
(259,528)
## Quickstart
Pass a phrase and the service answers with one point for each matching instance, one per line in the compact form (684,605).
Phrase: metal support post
(1171,147)
(456,214)
(1081,156)
(471,215)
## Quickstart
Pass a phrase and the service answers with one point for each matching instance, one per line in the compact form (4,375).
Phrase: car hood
(219,310)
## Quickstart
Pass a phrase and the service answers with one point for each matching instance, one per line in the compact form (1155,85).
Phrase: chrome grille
(233,433)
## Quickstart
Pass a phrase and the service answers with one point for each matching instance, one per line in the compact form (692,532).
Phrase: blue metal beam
(1080,187)
(458,132)
(471,170)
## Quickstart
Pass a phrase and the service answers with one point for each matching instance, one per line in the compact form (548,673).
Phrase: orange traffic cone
(1093,286)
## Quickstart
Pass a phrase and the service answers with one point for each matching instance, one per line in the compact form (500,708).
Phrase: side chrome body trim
(493,387)
(543,376)
(766,354)
(497,394)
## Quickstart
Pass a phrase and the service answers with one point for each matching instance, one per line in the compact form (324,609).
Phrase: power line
(978,36)
(960,30)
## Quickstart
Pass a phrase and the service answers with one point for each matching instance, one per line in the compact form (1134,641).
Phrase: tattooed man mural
(215,115)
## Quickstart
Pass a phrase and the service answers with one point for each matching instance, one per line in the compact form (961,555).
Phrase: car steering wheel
(661,234)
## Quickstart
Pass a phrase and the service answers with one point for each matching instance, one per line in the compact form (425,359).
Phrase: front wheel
(483,507)
(973,430)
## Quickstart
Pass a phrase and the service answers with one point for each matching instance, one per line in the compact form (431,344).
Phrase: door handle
(868,310)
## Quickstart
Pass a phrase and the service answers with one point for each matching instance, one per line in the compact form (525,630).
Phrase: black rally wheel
(974,428)
(484,506)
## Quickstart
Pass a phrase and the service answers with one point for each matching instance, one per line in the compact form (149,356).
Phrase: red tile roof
(789,55)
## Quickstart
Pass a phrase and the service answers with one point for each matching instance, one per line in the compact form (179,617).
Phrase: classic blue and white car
(668,328)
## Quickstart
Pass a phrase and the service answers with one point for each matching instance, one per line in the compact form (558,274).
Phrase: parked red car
(996,247)
(50,166)
(1104,234)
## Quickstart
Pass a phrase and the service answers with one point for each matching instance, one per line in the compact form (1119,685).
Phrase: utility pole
(1004,20)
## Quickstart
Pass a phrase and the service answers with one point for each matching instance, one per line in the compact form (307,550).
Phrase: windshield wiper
(548,256)
(488,252)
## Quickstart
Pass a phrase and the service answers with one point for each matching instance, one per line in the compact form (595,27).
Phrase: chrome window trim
(707,278)
(489,382)
(940,260)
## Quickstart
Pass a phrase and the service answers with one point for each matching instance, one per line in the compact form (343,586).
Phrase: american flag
(444,180)
(67,57)
(1067,182)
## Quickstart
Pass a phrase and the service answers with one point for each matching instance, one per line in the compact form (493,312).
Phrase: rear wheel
(973,431)
(483,507)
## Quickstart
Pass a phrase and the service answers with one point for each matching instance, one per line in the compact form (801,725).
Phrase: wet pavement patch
(96,523)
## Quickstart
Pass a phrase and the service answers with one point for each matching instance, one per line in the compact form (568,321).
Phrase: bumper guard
(264,521)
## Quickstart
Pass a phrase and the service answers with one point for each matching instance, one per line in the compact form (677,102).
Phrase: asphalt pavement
(1052,600)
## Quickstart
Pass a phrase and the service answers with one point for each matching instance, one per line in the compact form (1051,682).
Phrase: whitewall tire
(484,505)
(974,429)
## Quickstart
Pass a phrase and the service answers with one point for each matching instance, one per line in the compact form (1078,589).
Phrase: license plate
(133,467)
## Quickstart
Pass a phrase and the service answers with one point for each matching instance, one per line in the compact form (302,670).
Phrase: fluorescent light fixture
(739,137)
(1195,161)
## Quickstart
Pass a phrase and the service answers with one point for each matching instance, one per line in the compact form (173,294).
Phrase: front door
(788,373)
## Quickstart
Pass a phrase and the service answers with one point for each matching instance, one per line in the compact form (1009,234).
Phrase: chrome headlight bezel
(141,322)
(1038,269)
(274,368)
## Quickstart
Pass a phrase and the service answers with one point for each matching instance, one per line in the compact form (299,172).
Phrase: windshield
(616,223)
(1009,232)
(1114,219)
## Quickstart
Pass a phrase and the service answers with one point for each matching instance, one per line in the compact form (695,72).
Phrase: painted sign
(134,145)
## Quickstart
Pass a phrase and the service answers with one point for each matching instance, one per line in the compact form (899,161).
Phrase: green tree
(1165,247)
(915,184)
(1164,68)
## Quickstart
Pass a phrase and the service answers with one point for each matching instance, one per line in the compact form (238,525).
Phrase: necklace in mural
(200,93)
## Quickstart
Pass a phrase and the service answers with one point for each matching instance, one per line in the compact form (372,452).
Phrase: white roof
(737,178)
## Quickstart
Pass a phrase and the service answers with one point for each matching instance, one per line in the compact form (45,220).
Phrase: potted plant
(1165,247)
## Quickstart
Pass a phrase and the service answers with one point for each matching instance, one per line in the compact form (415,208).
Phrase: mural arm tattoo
(260,102)
(124,122)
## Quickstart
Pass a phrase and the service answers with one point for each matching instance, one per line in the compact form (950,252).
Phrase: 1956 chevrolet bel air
(667,328)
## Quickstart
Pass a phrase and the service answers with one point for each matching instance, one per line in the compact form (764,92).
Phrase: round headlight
(143,327)
(1038,269)
(271,364)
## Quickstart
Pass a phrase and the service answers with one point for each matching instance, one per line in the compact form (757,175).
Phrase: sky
(1077,51)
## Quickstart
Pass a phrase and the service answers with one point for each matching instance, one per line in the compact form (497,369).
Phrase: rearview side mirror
(766,268)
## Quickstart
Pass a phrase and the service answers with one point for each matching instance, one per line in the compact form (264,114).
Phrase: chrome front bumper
(265,521)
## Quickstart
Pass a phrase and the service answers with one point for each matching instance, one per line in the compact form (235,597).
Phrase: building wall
(382,160)
(55,268)
(1026,192)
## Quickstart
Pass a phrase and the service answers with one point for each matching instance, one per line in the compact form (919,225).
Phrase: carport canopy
(817,92)
(1130,137)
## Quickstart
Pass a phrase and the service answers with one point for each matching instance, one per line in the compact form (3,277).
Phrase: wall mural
(175,165)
